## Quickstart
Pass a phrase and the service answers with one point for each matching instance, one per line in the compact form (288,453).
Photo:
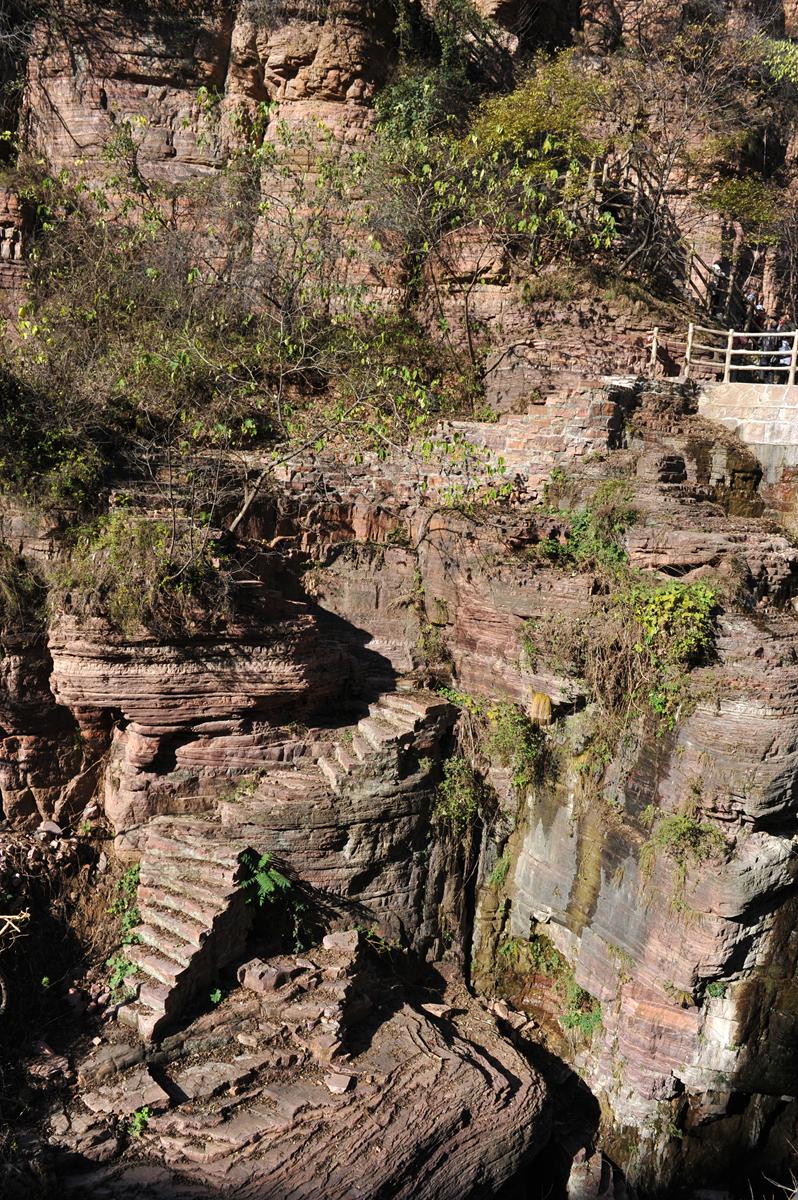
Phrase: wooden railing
(737,356)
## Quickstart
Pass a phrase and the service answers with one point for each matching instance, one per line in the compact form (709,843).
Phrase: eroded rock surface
(181,79)
(327,1053)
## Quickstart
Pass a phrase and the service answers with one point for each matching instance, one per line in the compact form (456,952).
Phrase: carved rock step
(282,784)
(185,929)
(395,722)
(194,919)
(197,842)
(422,705)
(180,894)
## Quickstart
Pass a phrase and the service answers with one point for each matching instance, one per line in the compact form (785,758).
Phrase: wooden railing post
(688,354)
(652,361)
(728,363)
(793,359)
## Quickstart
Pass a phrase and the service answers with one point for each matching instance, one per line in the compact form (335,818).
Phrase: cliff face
(88,72)
(594,987)
(675,965)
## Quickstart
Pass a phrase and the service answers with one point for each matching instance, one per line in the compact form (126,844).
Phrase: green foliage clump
(533,955)
(538,956)
(22,593)
(460,794)
(634,648)
(512,740)
(500,732)
(593,538)
(419,101)
(685,841)
(141,573)
(581,1012)
(262,882)
(120,969)
(716,989)
(137,1126)
(552,109)
(678,626)
(265,886)
(499,872)
(752,201)
(481,478)
(677,619)
(41,458)
(445,51)
(124,904)
(780,57)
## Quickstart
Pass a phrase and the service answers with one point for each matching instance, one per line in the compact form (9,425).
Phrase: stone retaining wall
(764,416)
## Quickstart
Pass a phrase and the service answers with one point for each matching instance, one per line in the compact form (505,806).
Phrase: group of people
(772,364)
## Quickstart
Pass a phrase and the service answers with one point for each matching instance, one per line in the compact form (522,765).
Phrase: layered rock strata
(182,80)
(677,1002)
(317,1055)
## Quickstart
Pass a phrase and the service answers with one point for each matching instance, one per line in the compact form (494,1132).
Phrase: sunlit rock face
(694,970)
(183,82)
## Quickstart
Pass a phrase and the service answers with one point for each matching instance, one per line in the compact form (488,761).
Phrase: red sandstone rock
(467,1103)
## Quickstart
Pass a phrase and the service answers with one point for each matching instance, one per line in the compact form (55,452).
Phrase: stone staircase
(194,920)
(569,425)
(282,784)
(395,723)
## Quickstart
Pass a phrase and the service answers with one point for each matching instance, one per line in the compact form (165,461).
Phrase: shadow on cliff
(574,1113)
(369,672)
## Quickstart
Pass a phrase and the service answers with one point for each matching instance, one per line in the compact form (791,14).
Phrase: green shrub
(41,459)
(499,872)
(460,794)
(120,969)
(677,621)
(139,1121)
(582,1012)
(261,882)
(423,100)
(503,734)
(538,956)
(142,573)
(512,740)
(755,203)
(780,57)
(22,593)
(634,648)
(556,105)
(593,538)
(445,51)
(716,989)
(685,841)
